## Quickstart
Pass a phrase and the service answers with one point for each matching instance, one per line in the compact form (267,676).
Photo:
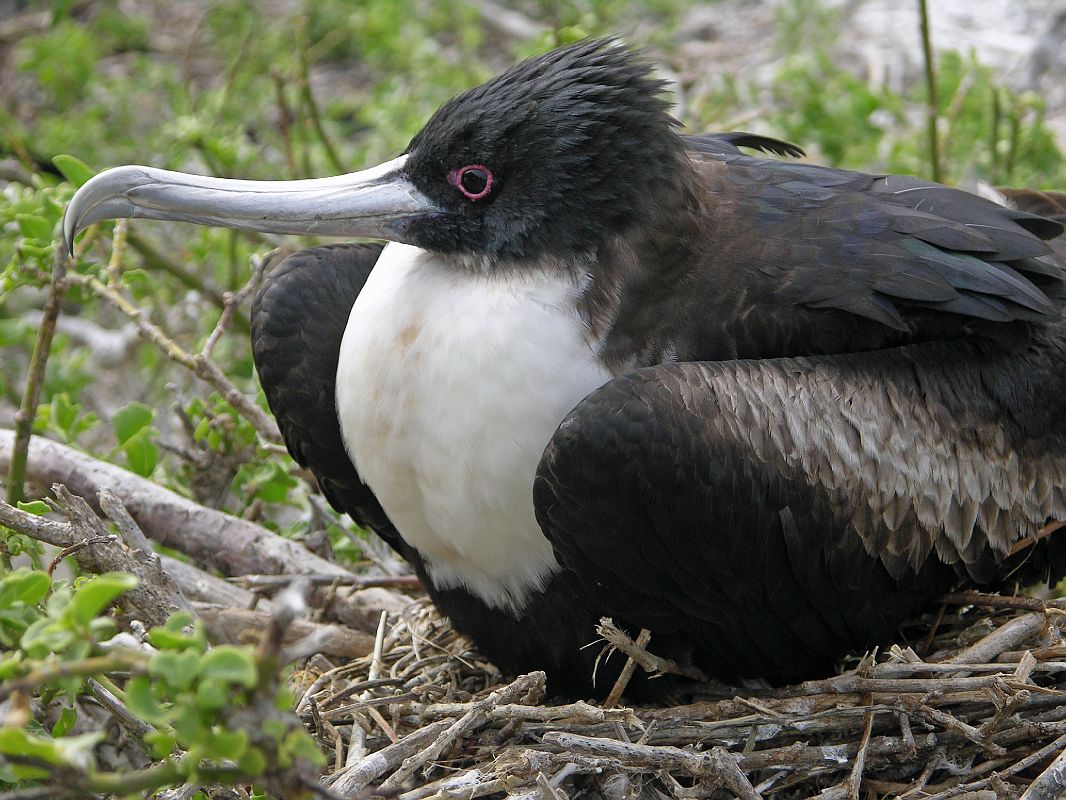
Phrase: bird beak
(376,203)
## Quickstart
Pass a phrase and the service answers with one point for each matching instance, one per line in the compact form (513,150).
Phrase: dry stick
(915,708)
(647,661)
(1000,601)
(203,587)
(233,300)
(716,765)
(627,671)
(155,598)
(228,543)
(302,637)
(475,717)
(1019,766)
(352,780)
(201,366)
(268,583)
(1049,784)
(73,549)
(793,756)
(572,711)
(138,727)
(1005,637)
(855,778)
(31,395)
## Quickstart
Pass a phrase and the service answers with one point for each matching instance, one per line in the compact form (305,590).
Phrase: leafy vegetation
(332,86)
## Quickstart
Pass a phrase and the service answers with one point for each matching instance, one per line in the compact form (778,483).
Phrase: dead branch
(97,550)
(229,544)
(302,638)
(529,686)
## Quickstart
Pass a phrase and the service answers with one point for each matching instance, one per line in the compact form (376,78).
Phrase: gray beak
(376,203)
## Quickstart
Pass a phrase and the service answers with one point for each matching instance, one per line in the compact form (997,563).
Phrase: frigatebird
(762,408)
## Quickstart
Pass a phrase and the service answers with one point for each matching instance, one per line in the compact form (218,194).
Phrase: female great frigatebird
(764,409)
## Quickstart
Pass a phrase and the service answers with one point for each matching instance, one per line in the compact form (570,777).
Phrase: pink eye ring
(474,181)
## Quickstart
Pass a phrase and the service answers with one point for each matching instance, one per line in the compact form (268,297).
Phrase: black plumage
(831,395)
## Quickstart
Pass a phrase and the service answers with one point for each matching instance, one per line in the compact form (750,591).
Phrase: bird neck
(636,274)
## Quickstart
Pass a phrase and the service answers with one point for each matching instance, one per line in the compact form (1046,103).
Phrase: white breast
(449,386)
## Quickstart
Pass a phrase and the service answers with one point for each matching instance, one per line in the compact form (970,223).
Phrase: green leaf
(211,695)
(298,746)
(17,742)
(226,744)
(172,635)
(162,743)
(35,507)
(67,717)
(46,636)
(34,227)
(64,412)
(231,664)
(131,420)
(74,169)
(178,669)
(95,595)
(141,453)
(24,586)
(141,702)
(252,762)
(11,665)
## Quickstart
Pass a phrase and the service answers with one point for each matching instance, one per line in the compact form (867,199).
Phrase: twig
(74,548)
(649,662)
(855,777)
(268,583)
(1006,637)
(350,781)
(533,683)
(285,121)
(932,107)
(1049,784)
(156,261)
(717,765)
(114,661)
(201,366)
(1019,766)
(227,543)
(232,301)
(308,98)
(31,395)
(138,727)
(118,251)
(627,671)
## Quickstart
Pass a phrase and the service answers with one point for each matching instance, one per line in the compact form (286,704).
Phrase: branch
(155,597)
(31,396)
(232,545)
(199,364)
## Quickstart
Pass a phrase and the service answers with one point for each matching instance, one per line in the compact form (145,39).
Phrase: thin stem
(204,368)
(310,106)
(932,106)
(31,396)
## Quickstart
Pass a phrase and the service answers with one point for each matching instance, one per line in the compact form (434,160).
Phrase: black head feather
(578,141)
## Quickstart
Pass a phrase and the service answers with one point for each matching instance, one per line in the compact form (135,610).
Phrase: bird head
(551,157)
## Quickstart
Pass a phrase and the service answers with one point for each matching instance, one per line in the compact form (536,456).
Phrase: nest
(979,713)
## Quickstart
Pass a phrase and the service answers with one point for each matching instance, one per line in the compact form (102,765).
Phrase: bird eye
(474,181)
